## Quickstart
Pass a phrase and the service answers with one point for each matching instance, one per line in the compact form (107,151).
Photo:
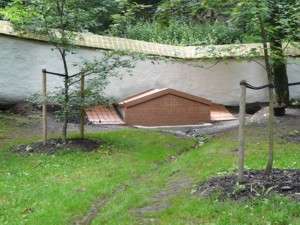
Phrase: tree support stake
(45,120)
(242,118)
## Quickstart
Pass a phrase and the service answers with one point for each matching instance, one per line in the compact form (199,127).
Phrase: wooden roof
(220,113)
(103,115)
(156,93)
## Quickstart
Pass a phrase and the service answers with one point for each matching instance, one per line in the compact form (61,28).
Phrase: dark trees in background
(4,3)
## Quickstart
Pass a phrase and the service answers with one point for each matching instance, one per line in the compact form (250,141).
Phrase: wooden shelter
(159,107)
(163,107)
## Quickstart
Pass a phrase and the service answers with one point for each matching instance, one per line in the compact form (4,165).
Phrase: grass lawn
(128,170)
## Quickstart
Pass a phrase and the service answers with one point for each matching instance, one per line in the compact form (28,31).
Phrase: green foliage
(58,20)
(104,12)
(97,75)
(279,17)
(189,22)
(126,16)
(192,22)
(185,33)
(193,10)
(278,23)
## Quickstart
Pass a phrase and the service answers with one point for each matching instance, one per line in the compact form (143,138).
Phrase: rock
(173,158)
(261,117)
(286,188)
(193,191)
(294,133)
(205,193)
(28,148)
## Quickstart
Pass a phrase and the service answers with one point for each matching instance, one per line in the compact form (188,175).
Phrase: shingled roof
(182,52)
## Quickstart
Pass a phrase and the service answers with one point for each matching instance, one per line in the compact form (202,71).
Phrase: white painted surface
(21,62)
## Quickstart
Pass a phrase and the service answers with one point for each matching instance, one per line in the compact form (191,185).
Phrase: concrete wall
(21,62)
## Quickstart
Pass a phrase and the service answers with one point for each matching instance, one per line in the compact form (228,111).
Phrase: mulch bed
(56,145)
(256,185)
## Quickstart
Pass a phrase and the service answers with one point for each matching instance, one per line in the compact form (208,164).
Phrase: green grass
(57,189)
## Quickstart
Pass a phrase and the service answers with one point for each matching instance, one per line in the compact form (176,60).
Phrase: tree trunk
(66,109)
(278,59)
(66,98)
(269,166)
(82,97)
(280,73)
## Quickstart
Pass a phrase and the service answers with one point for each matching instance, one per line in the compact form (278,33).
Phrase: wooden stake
(45,122)
(271,131)
(242,118)
(82,106)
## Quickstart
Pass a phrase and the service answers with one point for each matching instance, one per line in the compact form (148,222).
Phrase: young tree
(60,21)
(57,20)
(96,76)
(275,20)
(281,23)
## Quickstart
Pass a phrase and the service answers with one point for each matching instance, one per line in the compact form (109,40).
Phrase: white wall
(21,62)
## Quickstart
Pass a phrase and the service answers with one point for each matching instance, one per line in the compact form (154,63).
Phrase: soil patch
(97,206)
(56,145)
(257,184)
(161,200)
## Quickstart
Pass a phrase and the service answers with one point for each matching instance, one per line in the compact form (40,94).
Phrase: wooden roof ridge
(133,96)
(156,93)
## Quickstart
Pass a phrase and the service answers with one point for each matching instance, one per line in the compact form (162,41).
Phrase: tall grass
(184,33)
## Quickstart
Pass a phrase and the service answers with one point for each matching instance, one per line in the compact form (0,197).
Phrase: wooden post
(82,106)
(242,119)
(45,128)
(271,131)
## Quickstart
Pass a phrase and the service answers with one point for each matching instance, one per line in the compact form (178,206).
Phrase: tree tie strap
(247,85)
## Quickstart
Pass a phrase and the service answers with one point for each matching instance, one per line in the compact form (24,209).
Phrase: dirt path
(161,200)
(96,207)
